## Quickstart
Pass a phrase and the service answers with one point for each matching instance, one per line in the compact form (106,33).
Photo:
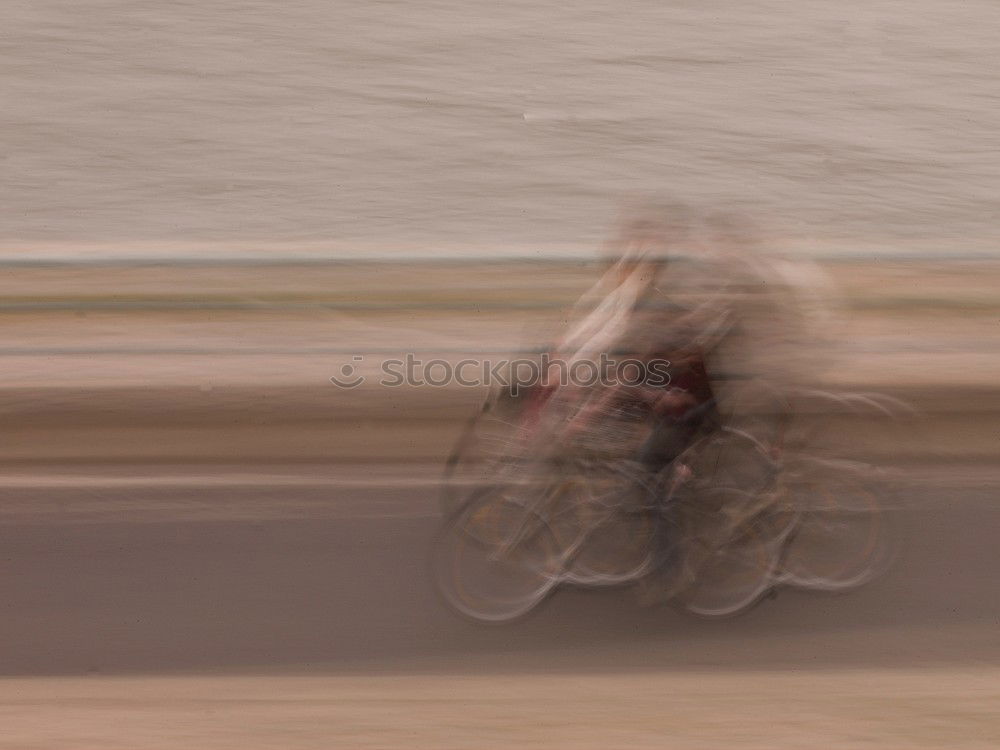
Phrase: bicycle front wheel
(495,560)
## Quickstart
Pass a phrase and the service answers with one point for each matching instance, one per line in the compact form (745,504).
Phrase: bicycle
(730,520)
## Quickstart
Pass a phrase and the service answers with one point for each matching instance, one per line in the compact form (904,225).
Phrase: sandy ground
(932,708)
(174,361)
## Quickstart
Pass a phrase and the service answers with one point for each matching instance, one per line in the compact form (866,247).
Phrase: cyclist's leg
(667,439)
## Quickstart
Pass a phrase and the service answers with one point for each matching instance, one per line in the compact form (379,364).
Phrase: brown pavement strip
(901,709)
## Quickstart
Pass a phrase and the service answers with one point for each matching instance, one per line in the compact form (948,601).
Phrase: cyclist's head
(648,232)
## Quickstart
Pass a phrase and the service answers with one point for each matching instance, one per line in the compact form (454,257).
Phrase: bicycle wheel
(487,451)
(841,539)
(601,522)
(732,568)
(734,460)
(495,559)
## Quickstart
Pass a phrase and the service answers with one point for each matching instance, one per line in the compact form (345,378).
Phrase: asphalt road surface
(129,573)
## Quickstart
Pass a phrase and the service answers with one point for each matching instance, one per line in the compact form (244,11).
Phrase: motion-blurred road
(314,573)
(323,572)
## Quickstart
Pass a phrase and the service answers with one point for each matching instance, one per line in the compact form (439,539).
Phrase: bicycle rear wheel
(602,523)
(495,560)
(733,572)
(841,540)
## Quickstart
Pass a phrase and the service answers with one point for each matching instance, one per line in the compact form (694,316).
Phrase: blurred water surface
(514,124)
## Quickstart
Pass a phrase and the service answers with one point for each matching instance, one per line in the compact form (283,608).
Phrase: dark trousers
(671,435)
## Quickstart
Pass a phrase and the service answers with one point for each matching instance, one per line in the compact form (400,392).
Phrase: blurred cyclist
(638,318)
